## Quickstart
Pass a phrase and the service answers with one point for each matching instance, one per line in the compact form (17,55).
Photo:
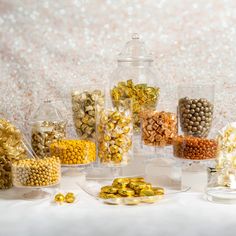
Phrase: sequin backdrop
(48,47)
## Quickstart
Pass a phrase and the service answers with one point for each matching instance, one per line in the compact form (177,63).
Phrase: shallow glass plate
(93,187)
(221,195)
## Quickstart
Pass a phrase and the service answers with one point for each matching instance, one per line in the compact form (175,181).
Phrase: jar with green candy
(135,79)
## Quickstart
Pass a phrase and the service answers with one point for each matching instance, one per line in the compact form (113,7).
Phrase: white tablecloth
(185,214)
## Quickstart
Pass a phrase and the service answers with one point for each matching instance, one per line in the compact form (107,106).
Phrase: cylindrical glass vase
(114,134)
(86,101)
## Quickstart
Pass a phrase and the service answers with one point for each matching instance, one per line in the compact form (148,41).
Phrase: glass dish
(93,188)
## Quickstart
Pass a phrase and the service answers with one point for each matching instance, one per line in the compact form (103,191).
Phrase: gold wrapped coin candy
(114,137)
(74,152)
(11,149)
(84,106)
(132,190)
(44,133)
(36,172)
(142,96)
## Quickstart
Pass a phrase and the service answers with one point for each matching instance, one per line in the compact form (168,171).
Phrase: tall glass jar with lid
(135,79)
(47,126)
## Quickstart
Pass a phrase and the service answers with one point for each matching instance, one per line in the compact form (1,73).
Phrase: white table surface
(185,214)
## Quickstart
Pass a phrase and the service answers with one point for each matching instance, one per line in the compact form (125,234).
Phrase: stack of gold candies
(114,137)
(11,149)
(226,166)
(84,107)
(143,96)
(36,172)
(44,133)
(74,152)
(131,188)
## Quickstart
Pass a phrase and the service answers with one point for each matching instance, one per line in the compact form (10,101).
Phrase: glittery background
(48,47)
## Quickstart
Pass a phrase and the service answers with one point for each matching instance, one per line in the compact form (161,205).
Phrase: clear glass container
(114,134)
(32,172)
(11,149)
(74,152)
(48,126)
(86,101)
(195,109)
(222,182)
(135,79)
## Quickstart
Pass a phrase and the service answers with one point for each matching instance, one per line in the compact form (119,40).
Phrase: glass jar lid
(134,50)
(47,111)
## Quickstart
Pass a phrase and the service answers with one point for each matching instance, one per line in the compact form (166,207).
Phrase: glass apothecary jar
(86,101)
(135,79)
(48,126)
(114,134)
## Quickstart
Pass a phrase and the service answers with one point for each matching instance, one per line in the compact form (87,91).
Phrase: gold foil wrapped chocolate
(114,137)
(11,149)
(131,188)
(142,95)
(84,107)
(44,133)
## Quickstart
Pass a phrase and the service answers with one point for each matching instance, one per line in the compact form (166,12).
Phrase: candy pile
(44,133)
(226,161)
(114,137)
(130,187)
(84,107)
(68,198)
(142,96)
(74,152)
(11,149)
(195,116)
(158,128)
(195,148)
(36,172)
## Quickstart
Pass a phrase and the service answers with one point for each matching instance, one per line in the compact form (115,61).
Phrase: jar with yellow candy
(74,152)
(114,134)
(135,79)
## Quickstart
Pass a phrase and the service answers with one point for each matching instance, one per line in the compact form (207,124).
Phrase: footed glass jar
(114,134)
(48,126)
(135,79)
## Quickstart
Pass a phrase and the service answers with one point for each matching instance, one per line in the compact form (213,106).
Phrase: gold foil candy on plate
(109,189)
(120,182)
(158,191)
(126,192)
(146,192)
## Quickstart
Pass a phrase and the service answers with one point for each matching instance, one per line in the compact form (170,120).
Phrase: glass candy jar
(48,126)
(195,109)
(11,149)
(85,103)
(135,79)
(114,134)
